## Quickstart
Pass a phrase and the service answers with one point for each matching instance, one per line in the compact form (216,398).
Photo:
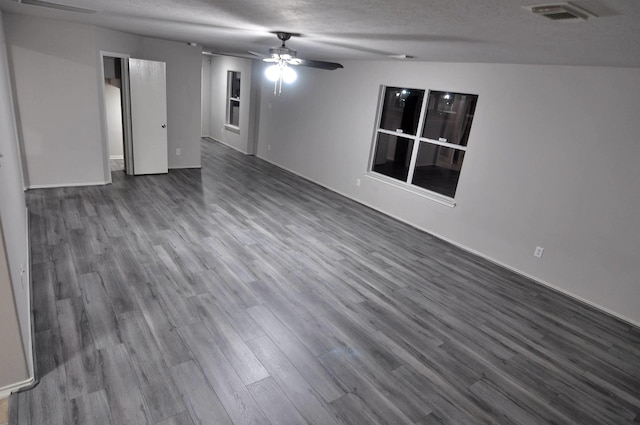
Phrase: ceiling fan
(282,57)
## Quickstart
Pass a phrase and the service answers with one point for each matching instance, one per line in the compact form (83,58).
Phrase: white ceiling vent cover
(561,12)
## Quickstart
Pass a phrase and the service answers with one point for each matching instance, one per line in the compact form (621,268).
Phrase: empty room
(319,213)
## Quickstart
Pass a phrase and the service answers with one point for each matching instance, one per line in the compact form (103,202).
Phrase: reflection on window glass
(235,85)
(401,109)
(392,156)
(449,117)
(438,168)
(234,113)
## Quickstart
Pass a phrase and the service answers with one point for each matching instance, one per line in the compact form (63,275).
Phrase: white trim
(534,279)
(232,128)
(411,188)
(187,167)
(232,147)
(439,143)
(58,185)
(9,389)
(30,355)
(116,156)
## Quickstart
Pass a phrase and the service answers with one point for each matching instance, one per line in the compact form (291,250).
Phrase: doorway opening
(113,101)
(115,90)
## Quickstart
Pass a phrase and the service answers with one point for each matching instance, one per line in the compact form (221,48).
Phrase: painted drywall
(113,104)
(240,138)
(54,73)
(552,162)
(184,65)
(205,96)
(15,315)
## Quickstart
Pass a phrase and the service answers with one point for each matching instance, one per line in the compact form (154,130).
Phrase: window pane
(401,109)
(449,117)
(392,156)
(438,168)
(235,85)
(234,113)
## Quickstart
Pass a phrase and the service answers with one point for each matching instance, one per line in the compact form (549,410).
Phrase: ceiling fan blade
(232,54)
(59,6)
(259,55)
(320,64)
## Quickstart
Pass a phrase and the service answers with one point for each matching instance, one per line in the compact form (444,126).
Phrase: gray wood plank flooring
(242,294)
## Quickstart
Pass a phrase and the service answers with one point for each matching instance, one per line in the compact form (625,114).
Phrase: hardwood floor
(242,294)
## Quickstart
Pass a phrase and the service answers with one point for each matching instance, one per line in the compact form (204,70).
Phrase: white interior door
(148,92)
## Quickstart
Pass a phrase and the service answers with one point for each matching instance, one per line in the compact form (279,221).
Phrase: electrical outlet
(538,252)
(357,182)
(178,151)
(268,147)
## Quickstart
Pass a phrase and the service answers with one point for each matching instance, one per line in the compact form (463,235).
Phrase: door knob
(164,126)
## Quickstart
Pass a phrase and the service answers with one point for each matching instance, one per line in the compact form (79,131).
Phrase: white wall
(220,65)
(54,70)
(15,314)
(205,95)
(552,161)
(184,65)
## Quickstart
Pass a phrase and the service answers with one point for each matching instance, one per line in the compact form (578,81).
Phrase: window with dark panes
(233,98)
(422,142)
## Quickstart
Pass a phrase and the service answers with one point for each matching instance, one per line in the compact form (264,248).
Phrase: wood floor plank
(91,409)
(182,418)
(101,315)
(292,383)
(203,404)
(274,403)
(123,391)
(229,388)
(244,362)
(297,354)
(80,358)
(155,382)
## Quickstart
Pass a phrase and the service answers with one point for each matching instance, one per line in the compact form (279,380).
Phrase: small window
(233,98)
(423,143)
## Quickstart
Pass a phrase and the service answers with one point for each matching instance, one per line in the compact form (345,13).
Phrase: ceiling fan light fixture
(279,73)
(289,75)
(272,73)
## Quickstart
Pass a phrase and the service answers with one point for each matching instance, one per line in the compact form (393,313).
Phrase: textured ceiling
(495,31)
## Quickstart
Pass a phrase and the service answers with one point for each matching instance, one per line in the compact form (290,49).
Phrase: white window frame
(231,75)
(416,139)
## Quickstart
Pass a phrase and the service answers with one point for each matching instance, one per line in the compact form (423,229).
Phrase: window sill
(424,193)
(232,128)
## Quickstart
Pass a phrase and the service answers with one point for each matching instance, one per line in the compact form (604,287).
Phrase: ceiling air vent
(561,12)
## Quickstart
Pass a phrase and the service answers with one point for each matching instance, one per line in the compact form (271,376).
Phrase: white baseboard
(473,251)
(9,389)
(116,157)
(241,151)
(185,167)
(58,185)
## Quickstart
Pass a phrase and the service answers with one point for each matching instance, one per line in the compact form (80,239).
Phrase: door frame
(126,115)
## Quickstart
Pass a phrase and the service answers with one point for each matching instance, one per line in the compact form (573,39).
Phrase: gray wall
(15,321)
(240,140)
(57,77)
(552,161)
